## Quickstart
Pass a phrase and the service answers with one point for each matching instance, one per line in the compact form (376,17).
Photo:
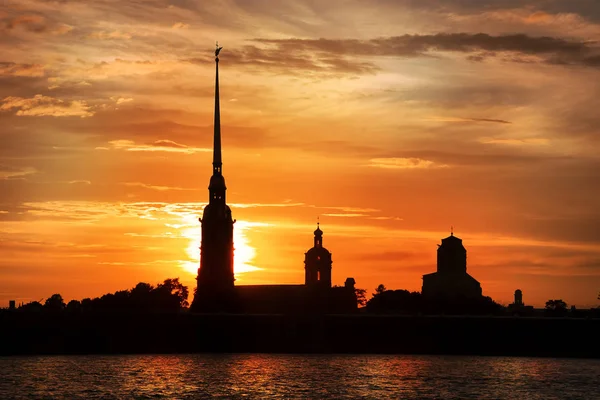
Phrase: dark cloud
(286,62)
(588,9)
(497,121)
(551,50)
(29,22)
(341,56)
(14,69)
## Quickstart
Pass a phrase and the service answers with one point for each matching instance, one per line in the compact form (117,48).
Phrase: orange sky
(391,120)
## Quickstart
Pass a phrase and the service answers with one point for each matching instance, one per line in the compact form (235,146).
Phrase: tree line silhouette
(172,296)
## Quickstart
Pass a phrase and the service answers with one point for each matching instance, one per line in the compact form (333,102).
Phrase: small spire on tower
(451,230)
(318,231)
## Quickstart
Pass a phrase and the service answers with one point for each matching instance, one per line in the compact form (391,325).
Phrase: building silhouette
(316,295)
(216,291)
(518,298)
(215,280)
(451,279)
(317,263)
(518,307)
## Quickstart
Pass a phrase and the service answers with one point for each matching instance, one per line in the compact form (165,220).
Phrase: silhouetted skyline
(474,115)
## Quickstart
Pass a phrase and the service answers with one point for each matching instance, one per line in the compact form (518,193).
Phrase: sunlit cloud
(159,145)
(14,69)
(404,163)
(346,215)
(456,119)
(180,25)
(122,100)
(110,35)
(516,142)
(388,218)
(41,105)
(7,172)
(155,187)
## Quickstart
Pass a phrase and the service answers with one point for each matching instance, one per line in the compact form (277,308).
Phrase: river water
(260,376)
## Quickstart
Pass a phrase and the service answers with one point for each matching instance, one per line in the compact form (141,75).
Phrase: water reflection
(296,377)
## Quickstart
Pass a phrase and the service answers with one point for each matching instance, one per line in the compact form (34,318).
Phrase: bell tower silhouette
(317,263)
(215,275)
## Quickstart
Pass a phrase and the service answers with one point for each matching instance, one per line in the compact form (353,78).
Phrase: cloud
(34,23)
(289,62)
(14,69)
(8,172)
(388,218)
(306,53)
(404,163)
(40,105)
(122,100)
(112,35)
(516,142)
(159,145)
(29,22)
(345,215)
(451,119)
(154,187)
(180,25)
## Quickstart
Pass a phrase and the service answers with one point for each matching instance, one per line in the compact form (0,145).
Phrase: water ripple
(239,376)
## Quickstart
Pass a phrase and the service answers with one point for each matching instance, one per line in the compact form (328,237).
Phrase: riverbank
(126,333)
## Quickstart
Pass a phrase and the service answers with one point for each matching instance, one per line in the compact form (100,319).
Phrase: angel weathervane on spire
(217,50)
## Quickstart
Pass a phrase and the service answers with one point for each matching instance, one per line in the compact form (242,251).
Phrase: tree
(379,289)
(34,306)
(74,305)
(361,296)
(54,303)
(173,291)
(556,307)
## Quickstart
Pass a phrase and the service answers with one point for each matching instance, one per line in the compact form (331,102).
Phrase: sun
(244,252)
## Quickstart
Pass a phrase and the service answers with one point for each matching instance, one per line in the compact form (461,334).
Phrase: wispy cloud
(9,172)
(110,35)
(345,215)
(155,187)
(14,69)
(516,142)
(40,105)
(404,163)
(159,145)
(456,119)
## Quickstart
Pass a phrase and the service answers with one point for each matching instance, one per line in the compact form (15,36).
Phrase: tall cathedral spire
(216,275)
(217,186)
(217,162)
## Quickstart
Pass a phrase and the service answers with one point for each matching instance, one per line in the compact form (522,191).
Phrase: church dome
(318,251)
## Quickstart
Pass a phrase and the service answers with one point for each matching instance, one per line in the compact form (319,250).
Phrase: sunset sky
(390,120)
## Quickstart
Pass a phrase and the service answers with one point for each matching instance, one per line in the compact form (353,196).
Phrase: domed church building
(451,279)
(317,263)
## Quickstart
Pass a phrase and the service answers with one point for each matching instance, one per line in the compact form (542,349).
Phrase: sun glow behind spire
(244,253)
